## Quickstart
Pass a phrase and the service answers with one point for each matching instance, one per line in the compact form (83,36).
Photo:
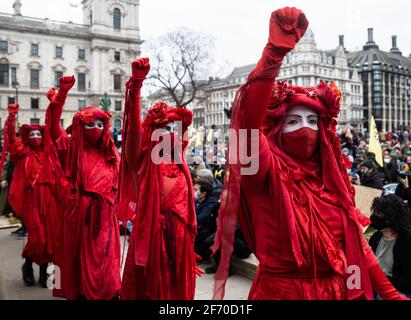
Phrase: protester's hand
(4,184)
(140,68)
(405,182)
(13,109)
(287,27)
(66,83)
(198,271)
(51,93)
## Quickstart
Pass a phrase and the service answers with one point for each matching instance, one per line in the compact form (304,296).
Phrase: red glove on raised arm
(139,68)
(51,93)
(57,103)
(382,285)
(13,109)
(287,26)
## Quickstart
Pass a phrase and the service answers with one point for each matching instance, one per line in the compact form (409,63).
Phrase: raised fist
(13,109)
(287,27)
(51,93)
(66,83)
(140,68)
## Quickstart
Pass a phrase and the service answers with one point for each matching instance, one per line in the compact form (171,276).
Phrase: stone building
(386,78)
(35,53)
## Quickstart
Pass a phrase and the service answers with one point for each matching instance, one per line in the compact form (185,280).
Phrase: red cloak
(299,218)
(160,262)
(89,246)
(33,193)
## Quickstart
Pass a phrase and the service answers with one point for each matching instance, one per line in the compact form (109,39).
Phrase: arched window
(117,18)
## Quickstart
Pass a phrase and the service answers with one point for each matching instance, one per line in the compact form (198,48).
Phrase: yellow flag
(375,146)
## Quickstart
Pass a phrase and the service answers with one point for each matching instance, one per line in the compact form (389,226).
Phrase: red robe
(299,218)
(33,195)
(160,263)
(89,246)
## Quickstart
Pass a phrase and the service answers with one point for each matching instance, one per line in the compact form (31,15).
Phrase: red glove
(50,94)
(140,68)
(66,83)
(382,285)
(13,109)
(287,27)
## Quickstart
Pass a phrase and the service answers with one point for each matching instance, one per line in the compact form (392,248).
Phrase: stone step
(245,267)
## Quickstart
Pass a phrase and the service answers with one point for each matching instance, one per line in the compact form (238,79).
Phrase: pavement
(13,288)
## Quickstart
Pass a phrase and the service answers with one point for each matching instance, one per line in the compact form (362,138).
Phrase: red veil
(291,194)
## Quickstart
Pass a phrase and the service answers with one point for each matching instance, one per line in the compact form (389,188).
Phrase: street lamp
(16,85)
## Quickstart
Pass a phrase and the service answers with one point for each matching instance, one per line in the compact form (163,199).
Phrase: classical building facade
(386,78)
(35,53)
(304,66)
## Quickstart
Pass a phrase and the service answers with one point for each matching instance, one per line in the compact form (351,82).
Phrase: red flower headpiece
(26,129)
(324,99)
(161,113)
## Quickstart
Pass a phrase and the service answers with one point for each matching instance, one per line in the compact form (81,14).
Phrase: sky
(240,27)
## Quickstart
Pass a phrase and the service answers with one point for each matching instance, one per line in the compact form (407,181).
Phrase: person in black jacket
(403,189)
(392,242)
(207,206)
(370,177)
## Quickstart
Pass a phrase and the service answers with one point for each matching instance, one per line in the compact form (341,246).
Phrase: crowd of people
(297,214)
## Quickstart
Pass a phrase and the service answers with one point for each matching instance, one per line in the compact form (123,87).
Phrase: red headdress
(290,185)
(76,130)
(25,130)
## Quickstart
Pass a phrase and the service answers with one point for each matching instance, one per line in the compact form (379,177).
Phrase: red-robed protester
(33,195)
(89,247)
(298,211)
(161,262)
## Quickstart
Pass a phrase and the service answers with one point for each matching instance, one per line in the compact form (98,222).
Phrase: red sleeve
(133,125)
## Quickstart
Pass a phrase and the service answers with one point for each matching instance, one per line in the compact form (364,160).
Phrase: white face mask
(96,124)
(300,117)
(35,134)
(171,127)
(197,196)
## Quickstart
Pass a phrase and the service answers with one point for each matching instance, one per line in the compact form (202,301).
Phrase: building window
(35,103)
(13,75)
(117,19)
(117,82)
(57,76)
(34,79)
(117,56)
(35,49)
(4,46)
(81,84)
(62,123)
(4,73)
(117,105)
(34,121)
(81,54)
(117,125)
(59,52)
(11,100)
(81,104)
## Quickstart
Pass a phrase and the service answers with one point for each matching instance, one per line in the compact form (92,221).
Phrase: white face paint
(171,127)
(35,134)
(300,117)
(96,124)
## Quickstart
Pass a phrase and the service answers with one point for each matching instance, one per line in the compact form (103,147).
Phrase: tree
(180,61)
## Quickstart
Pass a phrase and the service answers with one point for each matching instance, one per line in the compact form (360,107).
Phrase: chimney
(341,37)
(394,48)
(17,7)
(370,35)
(370,43)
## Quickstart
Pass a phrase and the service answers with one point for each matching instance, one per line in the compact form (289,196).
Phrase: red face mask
(300,144)
(92,136)
(35,143)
